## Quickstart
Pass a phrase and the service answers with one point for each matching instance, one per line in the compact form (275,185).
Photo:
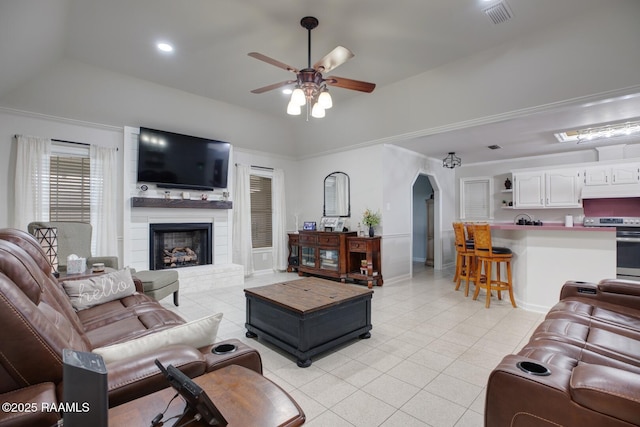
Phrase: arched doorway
(425,220)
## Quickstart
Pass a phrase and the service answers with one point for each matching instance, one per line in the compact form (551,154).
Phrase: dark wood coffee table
(308,316)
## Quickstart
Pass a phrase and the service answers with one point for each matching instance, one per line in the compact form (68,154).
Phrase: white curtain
(31,180)
(279,221)
(242,244)
(104,192)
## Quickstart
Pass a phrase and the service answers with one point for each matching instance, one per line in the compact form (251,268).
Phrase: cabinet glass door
(308,256)
(329,259)
(294,256)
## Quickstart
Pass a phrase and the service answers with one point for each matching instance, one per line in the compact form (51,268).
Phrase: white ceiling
(392,41)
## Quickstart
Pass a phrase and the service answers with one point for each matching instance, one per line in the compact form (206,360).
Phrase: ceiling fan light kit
(310,86)
(317,111)
(324,100)
(298,97)
(294,109)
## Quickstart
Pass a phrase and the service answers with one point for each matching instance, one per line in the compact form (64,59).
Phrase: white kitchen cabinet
(625,174)
(613,175)
(528,190)
(597,176)
(556,188)
(563,188)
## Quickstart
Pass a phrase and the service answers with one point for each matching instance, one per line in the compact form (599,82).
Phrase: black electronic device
(172,160)
(84,392)
(193,394)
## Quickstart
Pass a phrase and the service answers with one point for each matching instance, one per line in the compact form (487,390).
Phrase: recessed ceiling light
(287,91)
(165,47)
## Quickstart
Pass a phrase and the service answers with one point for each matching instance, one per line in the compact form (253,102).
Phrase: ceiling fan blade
(273,86)
(336,57)
(350,84)
(272,61)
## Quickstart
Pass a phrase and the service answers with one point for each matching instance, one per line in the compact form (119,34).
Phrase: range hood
(610,191)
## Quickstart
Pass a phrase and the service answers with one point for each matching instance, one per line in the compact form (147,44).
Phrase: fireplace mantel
(149,202)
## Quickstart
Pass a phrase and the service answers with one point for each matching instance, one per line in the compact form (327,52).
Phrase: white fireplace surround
(136,220)
(142,218)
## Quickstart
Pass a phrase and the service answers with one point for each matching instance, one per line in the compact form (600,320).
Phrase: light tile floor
(426,364)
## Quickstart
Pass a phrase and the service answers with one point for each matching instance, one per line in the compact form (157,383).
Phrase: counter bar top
(549,227)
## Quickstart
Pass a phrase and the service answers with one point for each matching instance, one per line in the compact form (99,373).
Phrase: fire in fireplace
(180,245)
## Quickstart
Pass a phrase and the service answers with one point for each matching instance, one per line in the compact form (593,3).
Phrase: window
(69,189)
(475,198)
(261,223)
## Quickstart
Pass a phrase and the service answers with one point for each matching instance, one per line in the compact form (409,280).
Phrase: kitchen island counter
(545,257)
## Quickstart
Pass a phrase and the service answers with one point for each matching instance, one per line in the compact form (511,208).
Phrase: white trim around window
(475,198)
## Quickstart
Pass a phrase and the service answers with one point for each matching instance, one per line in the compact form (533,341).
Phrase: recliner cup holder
(533,368)
(224,349)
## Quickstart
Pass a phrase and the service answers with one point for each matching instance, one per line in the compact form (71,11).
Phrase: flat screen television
(172,160)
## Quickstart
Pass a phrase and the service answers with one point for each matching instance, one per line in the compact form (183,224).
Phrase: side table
(89,273)
(364,259)
(244,397)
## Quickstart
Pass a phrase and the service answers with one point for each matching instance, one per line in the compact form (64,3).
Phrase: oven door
(628,253)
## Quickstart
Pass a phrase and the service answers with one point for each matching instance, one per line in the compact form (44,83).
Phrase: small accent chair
(159,283)
(465,258)
(486,256)
(74,238)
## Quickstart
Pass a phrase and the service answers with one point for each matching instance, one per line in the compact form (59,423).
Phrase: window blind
(476,198)
(261,217)
(69,189)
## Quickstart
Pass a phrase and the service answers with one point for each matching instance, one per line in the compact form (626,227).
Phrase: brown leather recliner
(38,322)
(581,366)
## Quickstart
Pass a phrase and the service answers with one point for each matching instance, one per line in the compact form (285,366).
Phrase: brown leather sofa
(581,366)
(38,322)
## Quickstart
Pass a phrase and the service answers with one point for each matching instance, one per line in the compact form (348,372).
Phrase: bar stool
(465,258)
(468,227)
(486,256)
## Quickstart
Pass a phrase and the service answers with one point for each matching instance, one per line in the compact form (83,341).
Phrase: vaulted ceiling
(398,45)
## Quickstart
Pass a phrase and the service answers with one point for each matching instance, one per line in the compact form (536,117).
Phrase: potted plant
(370,219)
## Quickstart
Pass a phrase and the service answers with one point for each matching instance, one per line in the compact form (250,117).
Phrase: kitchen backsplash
(629,206)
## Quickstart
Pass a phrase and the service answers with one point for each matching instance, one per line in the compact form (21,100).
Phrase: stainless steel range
(627,243)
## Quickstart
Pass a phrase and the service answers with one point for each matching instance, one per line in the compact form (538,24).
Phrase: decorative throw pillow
(85,293)
(198,333)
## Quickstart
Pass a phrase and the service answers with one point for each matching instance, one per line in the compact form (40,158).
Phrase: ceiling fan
(311,86)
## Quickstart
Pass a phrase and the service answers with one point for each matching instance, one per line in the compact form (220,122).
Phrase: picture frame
(328,223)
(309,225)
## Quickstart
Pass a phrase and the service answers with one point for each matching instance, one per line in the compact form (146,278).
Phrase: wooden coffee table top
(308,294)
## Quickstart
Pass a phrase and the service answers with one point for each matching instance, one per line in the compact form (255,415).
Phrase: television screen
(171,160)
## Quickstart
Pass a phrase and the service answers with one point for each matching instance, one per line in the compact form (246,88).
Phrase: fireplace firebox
(180,245)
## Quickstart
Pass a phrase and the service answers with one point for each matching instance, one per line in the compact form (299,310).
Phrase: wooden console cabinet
(337,255)
(364,260)
(322,253)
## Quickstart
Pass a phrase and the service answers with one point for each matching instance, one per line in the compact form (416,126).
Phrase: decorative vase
(370,231)
(507,184)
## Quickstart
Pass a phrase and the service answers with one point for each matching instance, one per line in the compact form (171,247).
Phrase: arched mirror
(336,195)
